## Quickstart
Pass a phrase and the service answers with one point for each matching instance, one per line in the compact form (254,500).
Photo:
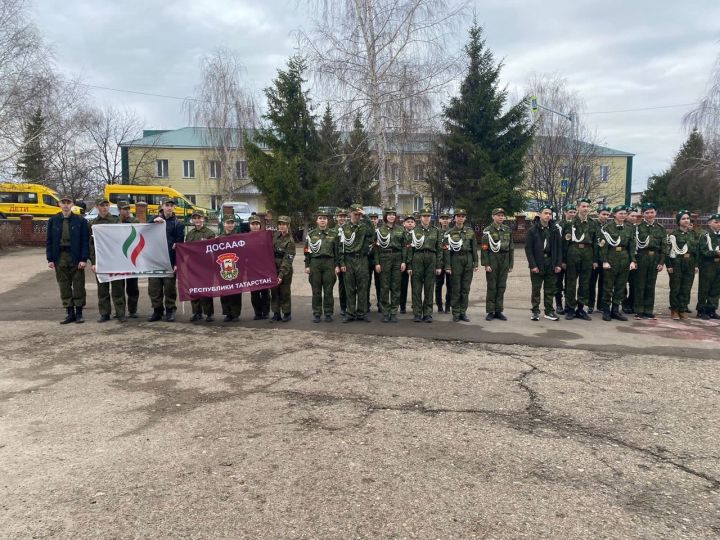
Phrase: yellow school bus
(37,200)
(153,196)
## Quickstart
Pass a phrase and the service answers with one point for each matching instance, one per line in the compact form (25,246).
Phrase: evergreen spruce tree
(330,164)
(31,164)
(357,184)
(484,147)
(657,191)
(288,174)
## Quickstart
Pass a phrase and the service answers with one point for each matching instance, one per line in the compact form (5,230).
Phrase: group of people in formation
(578,263)
(70,245)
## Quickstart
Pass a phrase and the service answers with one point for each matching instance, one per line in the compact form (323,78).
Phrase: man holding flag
(163,290)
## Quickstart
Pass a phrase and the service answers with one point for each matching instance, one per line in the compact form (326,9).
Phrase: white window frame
(162,168)
(241,170)
(604,175)
(395,172)
(188,164)
(419,172)
(214,168)
(418,203)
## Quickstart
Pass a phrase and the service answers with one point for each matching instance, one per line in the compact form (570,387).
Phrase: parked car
(92,214)
(243,213)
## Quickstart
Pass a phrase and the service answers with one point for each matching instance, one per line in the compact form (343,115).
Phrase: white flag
(130,250)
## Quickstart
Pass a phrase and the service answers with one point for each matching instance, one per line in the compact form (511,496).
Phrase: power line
(645,108)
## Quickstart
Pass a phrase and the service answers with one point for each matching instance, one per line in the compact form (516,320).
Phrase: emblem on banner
(228,269)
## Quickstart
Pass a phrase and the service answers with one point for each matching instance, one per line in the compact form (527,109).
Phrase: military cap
(409,217)
(426,211)
(389,210)
(197,212)
(649,206)
(356,208)
(373,215)
(323,212)
(546,207)
(254,219)
(619,208)
(283,219)
(570,206)
(339,212)
(446,214)
(497,211)
(102,200)
(584,200)
(603,208)
(230,219)
(680,214)
(460,212)
(123,204)
(714,216)
(169,200)
(66,198)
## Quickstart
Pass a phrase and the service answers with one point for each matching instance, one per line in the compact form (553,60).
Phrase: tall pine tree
(288,174)
(330,163)
(483,147)
(31,164)
(357,184)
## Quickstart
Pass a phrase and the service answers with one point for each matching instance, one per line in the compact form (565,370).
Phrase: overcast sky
(619,54)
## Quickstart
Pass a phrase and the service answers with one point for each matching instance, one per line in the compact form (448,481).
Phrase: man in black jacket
(67,250)
(164,289)
(543,248)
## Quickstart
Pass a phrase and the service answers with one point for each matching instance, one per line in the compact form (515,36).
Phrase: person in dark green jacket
(709,287)
(424,262)
(498,257)
(651,244)
(389,253)
(322,264)
(201,232)
(104,289)
(356,237)
(284,248)
(616,251)
(681,262)
(578,261)
(231,303)
(460,262)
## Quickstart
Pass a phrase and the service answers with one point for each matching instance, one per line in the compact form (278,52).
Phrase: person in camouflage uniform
(322,264)
(569,213)
(356,238)
(616,249)
(284,248)
(163,291)
(444,278)
(130,285)
(67,251)
(260,300)
(114,289)
(231,303)
(578,261)
(372,273)
(597,281)
(498,257)
(460,261)
(709,287)
(651,244)
(389,253)
(683,246)
(341,217)
(543,249)
(408,225)
(424,262)
(200,232)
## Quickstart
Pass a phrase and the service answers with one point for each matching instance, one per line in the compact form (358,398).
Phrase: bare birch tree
(564,160)
(225,106)
(24,62)
(706,119)
(376,56)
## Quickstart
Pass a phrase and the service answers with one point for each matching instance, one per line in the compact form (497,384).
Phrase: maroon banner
(225,265)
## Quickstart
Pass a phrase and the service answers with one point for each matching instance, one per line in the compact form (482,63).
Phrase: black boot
(78,315)
(157,315)
(70,317)
(617,314)
(606,315)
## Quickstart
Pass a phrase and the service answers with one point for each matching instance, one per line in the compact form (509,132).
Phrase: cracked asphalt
(351,431)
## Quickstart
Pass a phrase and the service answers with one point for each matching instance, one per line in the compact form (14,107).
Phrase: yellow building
(209,167)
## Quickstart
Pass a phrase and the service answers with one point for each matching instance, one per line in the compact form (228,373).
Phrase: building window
(241,169)
(188,168)
(395,172)
(161,168)
(417,204)
(191,198)
(419,173)
(215,202)
(604,173)
(585,173)
(564,172)
(214,169)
